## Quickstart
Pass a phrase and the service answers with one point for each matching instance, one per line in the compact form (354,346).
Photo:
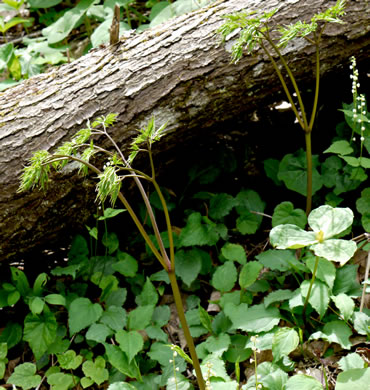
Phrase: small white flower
(177,369)
(354,139)
(362,139)
(358,85)
(362,128)
(354,110)
(363,112)
(251,360)
(359,120)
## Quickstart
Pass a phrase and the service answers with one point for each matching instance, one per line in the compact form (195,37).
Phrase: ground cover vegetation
(291,313)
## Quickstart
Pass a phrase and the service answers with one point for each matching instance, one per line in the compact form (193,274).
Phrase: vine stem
(311,284)
(185,328)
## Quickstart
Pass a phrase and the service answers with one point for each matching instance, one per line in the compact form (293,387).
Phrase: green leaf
(115,317)
(40,332)
(234,252)
(110,241)
(272,377)
(247,224)
(224,277)
(352,360)
(82,313)
(188,265)
(319,297)
(293,172)
(355,379)
(60,29)
(361,323)
(180,383)
(36,305)
(363,203)
(55,299)
(340,147)
(271,167)
(335,332)
(280,260)
(24,376)
(131,343)
(110,213)
(161,315)
(249,273)
(39,283)
(43,3)
(118,359)
(205,319)
(277,296)
(197,233)
(69,360)
(345,304)
(237,350)
(122,386)
(127,265)
(346,282)
(326,271)
(220,205)
(253,319)
(3,359)
(98,332)
(96,370)
(285,340)
(249,203)
(302,382)
(217,345)
(284,213)
(140,317)
(11,334)
(148,295)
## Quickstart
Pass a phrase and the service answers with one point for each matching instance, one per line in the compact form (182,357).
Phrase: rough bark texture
(177,71)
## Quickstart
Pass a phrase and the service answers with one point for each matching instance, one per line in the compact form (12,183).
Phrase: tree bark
(179,72)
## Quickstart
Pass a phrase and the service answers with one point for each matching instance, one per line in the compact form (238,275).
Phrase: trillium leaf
(330,220)
(291,237)
(335,250)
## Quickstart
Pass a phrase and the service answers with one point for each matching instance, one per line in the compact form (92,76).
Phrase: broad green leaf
(284,213)
(38,285)
(326,271)
(86,382)
(96,370)
(247,224)
(156,333)
(252,319)
(40,332)
(319,297)
(161,315)
(220,205)
(302,382)
(127,265)
(110,241)
(271,167)
(148,295)
(60,29)
(285,340)
(98,332)
(218,366)
(69,360)
(334,332)
(140,317)
(270,375)
(188,265)
(11,334)
(217,345)
(345,304)
(121,386)
(110,213)
(291,237)
(237,350)
(355,379)
(82,313)
(197,233)
(20,280)
(330,220)
(205,319)
(277,296)
(178,383)
(116,298)
(293,172)
(248,201)
(336,250)
(55,299)
(43,3)
(69,270)
(24,375)
(350,361)
(224,277)
(118,360)
(361,322)
(249,273)
(234,252)
(36,305)
(340,147)
(281,260)
(363,203)
(346,282)
(3,359)
(131,343)
(115,317)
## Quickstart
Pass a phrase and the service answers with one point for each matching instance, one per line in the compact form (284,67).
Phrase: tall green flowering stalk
(254,31)
(118,168)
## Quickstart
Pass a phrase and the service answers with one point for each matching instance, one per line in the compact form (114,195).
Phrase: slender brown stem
(309,172)
(185,328)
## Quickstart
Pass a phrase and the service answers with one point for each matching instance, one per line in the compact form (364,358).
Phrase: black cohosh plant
(116,169)
(255,32)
